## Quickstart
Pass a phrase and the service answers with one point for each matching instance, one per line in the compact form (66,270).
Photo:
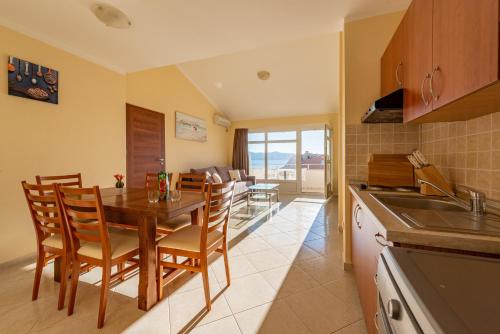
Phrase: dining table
(130,207)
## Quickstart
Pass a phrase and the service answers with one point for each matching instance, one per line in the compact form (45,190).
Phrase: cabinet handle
(375,320)
(398,80)
(356,211)
(379,238)
(431,83)
(427,77)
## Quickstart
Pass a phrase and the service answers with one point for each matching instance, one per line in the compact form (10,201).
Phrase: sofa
(240,188)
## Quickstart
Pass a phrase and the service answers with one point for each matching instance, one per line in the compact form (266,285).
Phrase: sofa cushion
(202,171)
(243,174)
(224,173)
(216,177)
(235,175)
(249,183)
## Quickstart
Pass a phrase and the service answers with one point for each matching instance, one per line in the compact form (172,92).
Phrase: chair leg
(159,276)
(64,281)
(120,267)
(106,274)
(75,275)
(38,273)
(226,263)
(206,285)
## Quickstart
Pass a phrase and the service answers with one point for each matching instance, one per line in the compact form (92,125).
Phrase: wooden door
(417,32)
(145,144)
(391,64)
(365,253)
(465,47)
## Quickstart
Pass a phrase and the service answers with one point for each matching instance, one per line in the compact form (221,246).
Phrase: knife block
(431,174)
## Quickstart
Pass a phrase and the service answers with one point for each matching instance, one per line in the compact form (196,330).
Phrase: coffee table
(264,191)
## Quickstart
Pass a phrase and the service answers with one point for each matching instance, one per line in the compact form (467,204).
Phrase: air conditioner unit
(222,121)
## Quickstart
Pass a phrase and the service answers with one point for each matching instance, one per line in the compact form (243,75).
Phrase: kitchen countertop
(395,231)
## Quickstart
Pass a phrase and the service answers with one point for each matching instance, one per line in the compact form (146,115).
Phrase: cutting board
(390,170)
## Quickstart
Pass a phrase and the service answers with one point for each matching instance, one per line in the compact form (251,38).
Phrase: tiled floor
(286,272)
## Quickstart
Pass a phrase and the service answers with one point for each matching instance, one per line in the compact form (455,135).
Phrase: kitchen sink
(437,213)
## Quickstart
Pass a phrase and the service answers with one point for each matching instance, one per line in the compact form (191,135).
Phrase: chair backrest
(217,210)
(84,215)
(70,180)
(192,182)
(46,211)
(154,177)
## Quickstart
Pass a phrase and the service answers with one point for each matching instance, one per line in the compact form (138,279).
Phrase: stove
(435,292)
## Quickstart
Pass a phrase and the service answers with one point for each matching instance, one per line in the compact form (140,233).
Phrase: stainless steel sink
(435,213)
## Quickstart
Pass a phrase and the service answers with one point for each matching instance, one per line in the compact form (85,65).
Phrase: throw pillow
(243,174)
(208,177)
(235,175)
(216,177)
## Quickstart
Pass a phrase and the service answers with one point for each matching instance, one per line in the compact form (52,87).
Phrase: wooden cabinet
(392,64)
(365,253)
(465,48)
(417,57)
(450,52)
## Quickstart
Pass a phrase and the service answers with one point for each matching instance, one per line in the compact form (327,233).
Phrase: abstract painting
(32,81)
(190,128)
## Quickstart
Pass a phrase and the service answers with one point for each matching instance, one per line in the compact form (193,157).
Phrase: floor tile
(279,240)
(356,328)
(270,318)
(249,291)
(321,311)
(289,280)
(298,252)
(223,326)
(239,266)
(252,245)
(267,259)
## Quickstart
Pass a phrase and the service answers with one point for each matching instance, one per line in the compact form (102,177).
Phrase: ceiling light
(111,16)
(263,75)
(219,84)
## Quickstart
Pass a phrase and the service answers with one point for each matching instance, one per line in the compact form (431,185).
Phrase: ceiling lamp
(263,75)
(111,16)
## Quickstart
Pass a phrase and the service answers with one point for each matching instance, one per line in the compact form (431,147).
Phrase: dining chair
(93,242)
(187,183)
(197,242)
(51,233)
(69,180)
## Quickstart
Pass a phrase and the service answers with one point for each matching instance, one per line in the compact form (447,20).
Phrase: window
(273,155)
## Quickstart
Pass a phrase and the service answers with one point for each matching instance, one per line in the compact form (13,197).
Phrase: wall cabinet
(392,64)
(365,252)
(450,59)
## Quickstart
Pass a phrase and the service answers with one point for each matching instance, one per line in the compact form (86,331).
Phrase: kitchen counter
(395,231)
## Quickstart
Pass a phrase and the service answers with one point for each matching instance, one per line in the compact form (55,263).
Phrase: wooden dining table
(130,206)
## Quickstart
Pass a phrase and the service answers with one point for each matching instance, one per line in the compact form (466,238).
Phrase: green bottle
(162,184)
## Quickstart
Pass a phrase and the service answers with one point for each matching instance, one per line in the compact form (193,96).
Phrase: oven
(393,313)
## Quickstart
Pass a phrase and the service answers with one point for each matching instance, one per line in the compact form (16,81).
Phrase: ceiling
(304,79)
(166,32)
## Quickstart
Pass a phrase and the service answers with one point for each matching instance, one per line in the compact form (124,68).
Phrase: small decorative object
(119,180)
(190,128)
(23,81)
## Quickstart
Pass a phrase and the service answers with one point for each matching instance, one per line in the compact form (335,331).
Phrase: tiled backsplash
(467,153)
(365,139)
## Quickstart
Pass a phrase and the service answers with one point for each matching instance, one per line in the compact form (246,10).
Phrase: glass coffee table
(264,191)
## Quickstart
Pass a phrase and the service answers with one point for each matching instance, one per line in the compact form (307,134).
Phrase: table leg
(197,216)
(147,262)
(57,269)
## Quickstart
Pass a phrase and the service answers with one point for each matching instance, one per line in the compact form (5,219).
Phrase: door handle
(356,211)
(427,77)
(398,80)
(431,83)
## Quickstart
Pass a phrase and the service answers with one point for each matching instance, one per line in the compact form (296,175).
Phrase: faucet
(476,204)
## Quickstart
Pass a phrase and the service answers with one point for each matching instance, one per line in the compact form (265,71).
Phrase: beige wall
(292,123)
(167,90)
(365,43)
(84,133)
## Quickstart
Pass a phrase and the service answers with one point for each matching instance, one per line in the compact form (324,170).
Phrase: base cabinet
(365,252)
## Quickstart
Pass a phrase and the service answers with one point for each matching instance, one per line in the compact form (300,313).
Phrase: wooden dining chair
(69,180)
(189,183)
(51,234)
(197,242)
(94,243)
(154,177)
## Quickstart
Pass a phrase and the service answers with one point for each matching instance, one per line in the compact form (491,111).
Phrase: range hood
(387,109)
